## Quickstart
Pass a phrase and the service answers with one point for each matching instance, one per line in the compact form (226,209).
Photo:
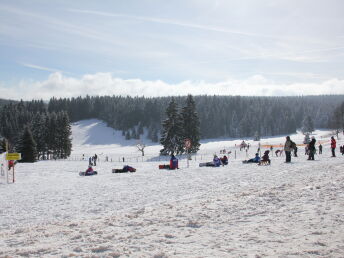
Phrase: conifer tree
(190,123)
(307,125)
(27,146)
(172,131)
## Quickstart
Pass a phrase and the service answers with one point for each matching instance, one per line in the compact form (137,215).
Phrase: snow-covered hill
(281,210)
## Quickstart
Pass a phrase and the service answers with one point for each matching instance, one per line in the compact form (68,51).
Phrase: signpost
(187,144)
(10,157)
(13,156)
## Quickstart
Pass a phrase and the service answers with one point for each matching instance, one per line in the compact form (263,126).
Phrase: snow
(281,210)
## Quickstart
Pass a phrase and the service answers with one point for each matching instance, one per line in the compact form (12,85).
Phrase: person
(90,161)
(265,158)
(127,168)
(10,164)
(224,160)
(173,162)
(216,161)
(333,146)
(89,171)
(287,149)
(271,150)
(256,159)
(311,149)
(295,151)
(95,157)
(320,148)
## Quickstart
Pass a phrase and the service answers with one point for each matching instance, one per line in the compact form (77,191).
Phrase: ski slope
(281,210)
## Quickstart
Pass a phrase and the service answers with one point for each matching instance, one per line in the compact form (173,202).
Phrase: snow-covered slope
(281,210)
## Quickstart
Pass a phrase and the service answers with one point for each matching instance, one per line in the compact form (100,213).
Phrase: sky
(157,48)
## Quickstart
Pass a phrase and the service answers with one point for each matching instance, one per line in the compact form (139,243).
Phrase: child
(265,158)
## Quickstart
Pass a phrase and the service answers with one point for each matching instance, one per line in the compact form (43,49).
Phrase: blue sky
(156,48)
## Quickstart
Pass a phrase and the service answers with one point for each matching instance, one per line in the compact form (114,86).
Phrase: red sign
(187,143)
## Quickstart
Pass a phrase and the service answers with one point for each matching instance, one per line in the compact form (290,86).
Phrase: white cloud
(100,84)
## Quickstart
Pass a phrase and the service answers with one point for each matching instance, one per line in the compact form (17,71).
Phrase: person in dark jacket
(288,149)
(265,158)
(320,148)
(311,147)
(127,168)
(224,160)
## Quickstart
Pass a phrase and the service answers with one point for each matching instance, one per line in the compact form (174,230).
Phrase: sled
(84,173)
(246,162)
(207,164)
(166,167)
(120,170)
(264,163)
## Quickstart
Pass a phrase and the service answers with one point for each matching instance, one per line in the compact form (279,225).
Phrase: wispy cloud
(38,67)
(101,84)
(173,22)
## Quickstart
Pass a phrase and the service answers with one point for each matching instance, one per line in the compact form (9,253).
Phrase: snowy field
(239,210)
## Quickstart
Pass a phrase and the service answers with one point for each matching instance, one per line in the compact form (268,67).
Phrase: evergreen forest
(219,116)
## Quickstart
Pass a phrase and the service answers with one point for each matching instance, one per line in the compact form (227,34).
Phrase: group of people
(92,161)
(289,146)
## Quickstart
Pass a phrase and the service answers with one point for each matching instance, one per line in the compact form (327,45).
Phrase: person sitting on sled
(89,171)
(265,158)
(127,168)
(173,162)
(256,159)
(224,160)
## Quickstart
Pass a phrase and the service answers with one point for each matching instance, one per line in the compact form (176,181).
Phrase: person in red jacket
(333,146)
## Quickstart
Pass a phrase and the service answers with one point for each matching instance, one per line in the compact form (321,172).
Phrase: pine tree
(307,125)
(190,123)
(2,145)
(64,132)
(172,131)
(27,146)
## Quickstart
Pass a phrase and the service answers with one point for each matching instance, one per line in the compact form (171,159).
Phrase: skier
(333,146)
(320,148)
(311,149)
(287,149)
(90,161)
(173,162)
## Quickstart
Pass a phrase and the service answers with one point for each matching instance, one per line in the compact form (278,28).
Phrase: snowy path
(239,210)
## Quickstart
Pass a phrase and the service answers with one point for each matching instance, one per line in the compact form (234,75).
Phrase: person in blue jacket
(173,162)
(217,161)
(256,159)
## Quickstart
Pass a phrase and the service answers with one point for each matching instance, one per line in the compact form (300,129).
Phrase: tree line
(219,116)
(30,129)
